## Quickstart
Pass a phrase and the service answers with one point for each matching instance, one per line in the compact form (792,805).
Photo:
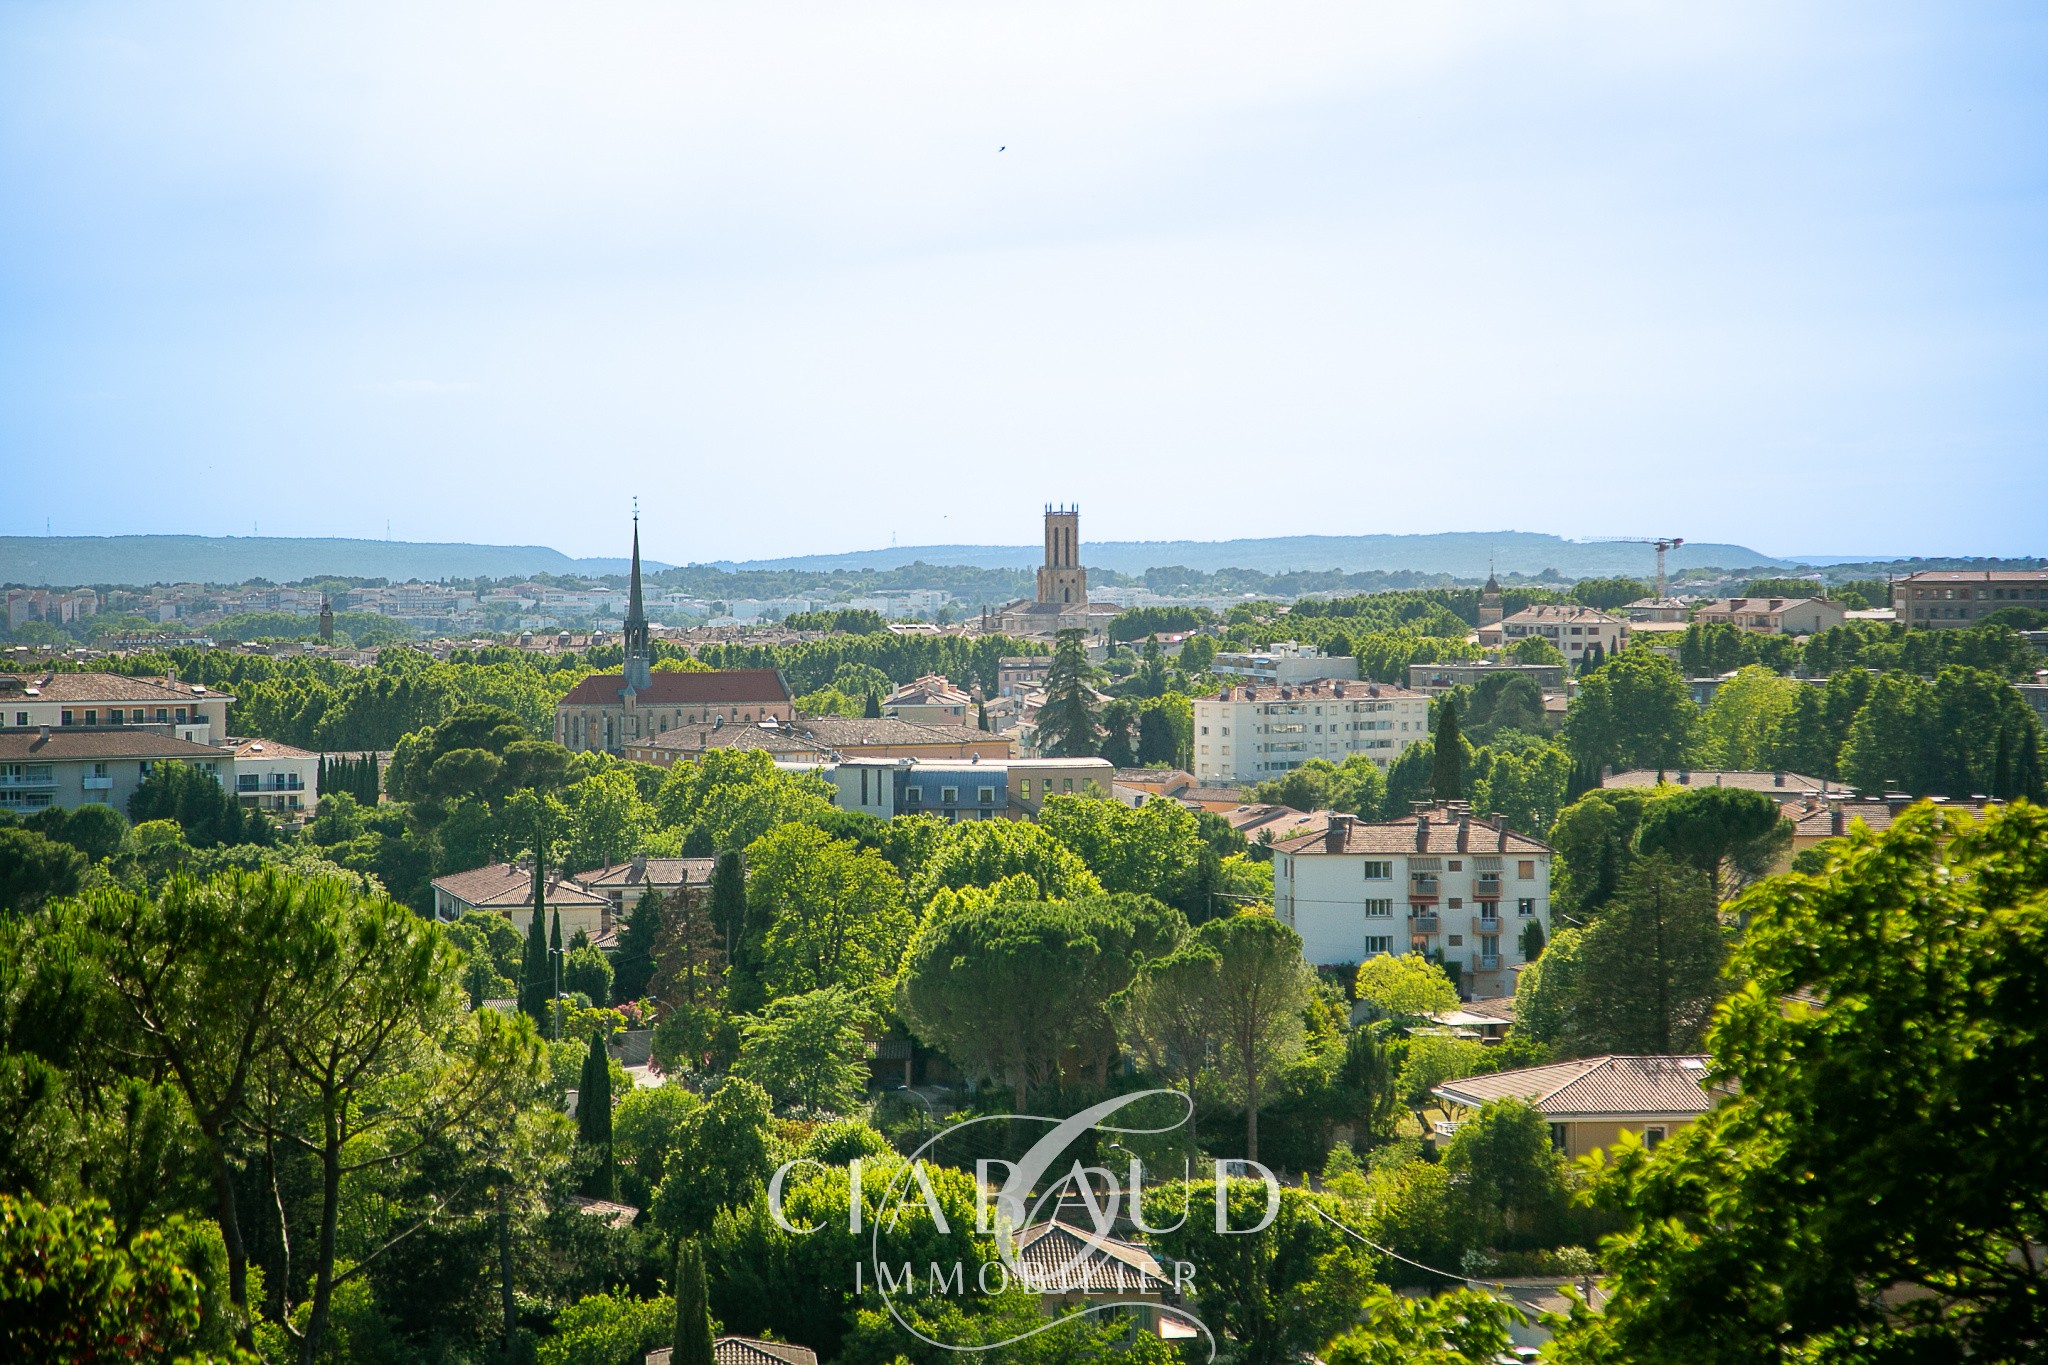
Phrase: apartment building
(193,711)
(1248,734)
(1442,882)
(1002,789)
(279,779)
(1284,664)
(1941,599)
(78,766)
(1773,615)
(1573,629)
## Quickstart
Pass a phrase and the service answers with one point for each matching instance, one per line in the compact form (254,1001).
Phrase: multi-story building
(1001,789)
(507,889)
(931,700)
(281,779)
(1573,629)
(1285,663)
(1442,882)
(190,710)
(1248,734)
(79,766)
(818,739)
(1773,615)
(1940,599)
(1016,672)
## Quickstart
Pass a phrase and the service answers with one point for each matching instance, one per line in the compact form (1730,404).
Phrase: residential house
(1019,671)
(1785,788)
(745,1351)
(999,789)
(623,884)
(75,767)
(277,778)
(1948,599)
(1591,1102)
(507,889)
(1459,889)
(930,700)
(1248,734)
(1772,615)
(1818,819)
(1574,630)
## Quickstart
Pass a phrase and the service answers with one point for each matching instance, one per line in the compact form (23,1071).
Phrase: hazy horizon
(1749,273)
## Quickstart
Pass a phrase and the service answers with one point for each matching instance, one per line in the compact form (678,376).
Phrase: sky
(819,277)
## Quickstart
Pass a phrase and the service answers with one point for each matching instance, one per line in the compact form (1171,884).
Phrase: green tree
(809,1051)
(1740,727)
(1534,649)
(827,912)
(1262,986)
(594,1117)
(728,895)
(608,1329)
(587,971)
(1886,746)
(1356,786)
(720,1159)
(1066,718)
(1405,986)
(1447,777)
(1278,1293)
(1595,839)
(633,966)
(34,869)
(1526,789)
(607,819)
(1509,1174)
(1649,969)
(1543,996)
(985,852)
(1463,1327)
(1725,832)
(692,1343)
(1808,1215)
(1634,712)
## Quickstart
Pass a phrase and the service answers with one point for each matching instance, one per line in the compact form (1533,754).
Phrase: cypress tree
(981,715)
(729,903)
(594,1116)
(1447,780)
(535,979)
(873,709)
(2001,767)
(634,965)
(693,1310)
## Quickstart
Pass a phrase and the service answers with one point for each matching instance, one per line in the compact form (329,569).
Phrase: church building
(1062,601)
(607,711)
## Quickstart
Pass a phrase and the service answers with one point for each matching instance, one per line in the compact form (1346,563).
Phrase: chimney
(1836,822)
(1464,833)
(1337,834)
(42,737)
(639,866)
(1422,833)
(1778,779)
(1812,801)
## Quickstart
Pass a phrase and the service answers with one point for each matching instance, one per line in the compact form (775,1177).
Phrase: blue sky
(1767,273)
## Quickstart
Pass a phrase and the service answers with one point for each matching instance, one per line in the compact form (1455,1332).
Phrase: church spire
(639,655)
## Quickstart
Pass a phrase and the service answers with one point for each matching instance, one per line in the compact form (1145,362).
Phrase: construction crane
(1663,543)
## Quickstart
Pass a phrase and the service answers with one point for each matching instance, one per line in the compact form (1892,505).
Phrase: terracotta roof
(1594,1087)
(1977,576)
(745,1351)
(691,739)
(1399,836)
(70,744)
(92,687)
(1281,822)
(267,748)
(1819,822)
(614,1214)
(1058,1258)
(817,734)
(668,687)
(651,872)
(1501,1007)
(1562,611)
(507,886)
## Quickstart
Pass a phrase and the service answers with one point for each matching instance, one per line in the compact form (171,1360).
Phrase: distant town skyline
(1753,273)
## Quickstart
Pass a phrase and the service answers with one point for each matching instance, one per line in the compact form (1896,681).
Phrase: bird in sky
(1004,148)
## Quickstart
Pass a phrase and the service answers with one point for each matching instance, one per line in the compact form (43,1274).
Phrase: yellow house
(1592,1101)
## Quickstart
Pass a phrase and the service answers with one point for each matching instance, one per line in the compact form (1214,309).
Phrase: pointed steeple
(639,655)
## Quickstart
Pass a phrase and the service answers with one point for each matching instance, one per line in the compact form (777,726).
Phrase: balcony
(1488,924)
(1423,888)
(99,784)
(1422,924)
(1489,962)
(1487,886)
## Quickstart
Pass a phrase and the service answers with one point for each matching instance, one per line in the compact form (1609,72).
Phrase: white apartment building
(1284,664)
(277,778)
(1442,882)
(1248,734)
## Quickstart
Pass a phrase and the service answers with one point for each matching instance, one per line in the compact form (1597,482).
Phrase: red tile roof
(667,687)
(1594,1087)
(1400,836)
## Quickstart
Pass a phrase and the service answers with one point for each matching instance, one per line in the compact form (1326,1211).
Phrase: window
(1379,909)
(1457,940)
(1526,869)
(1457,902)
(949,796)
(1066,784)
(988,796)
(1023,789)
(21,717)
(67,719)
(1379,872)
(1489,945)
(1526,905)
(1457,865)
(92,717)
(1377,944)
(1653,1136)
(1557,1133)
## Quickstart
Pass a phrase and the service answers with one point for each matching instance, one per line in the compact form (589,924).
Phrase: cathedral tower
(1063,582)
(639,653)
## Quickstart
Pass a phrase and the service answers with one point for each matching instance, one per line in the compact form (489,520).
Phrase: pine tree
(1066,720)
(1447,778)
(594,1117)
(692,1343)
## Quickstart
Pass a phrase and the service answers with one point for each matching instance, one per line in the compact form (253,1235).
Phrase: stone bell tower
(1063,582)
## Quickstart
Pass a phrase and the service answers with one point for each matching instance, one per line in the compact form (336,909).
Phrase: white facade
(1285,663)
(1249,734)
(1351,895)
(1574,630)
(279,778)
